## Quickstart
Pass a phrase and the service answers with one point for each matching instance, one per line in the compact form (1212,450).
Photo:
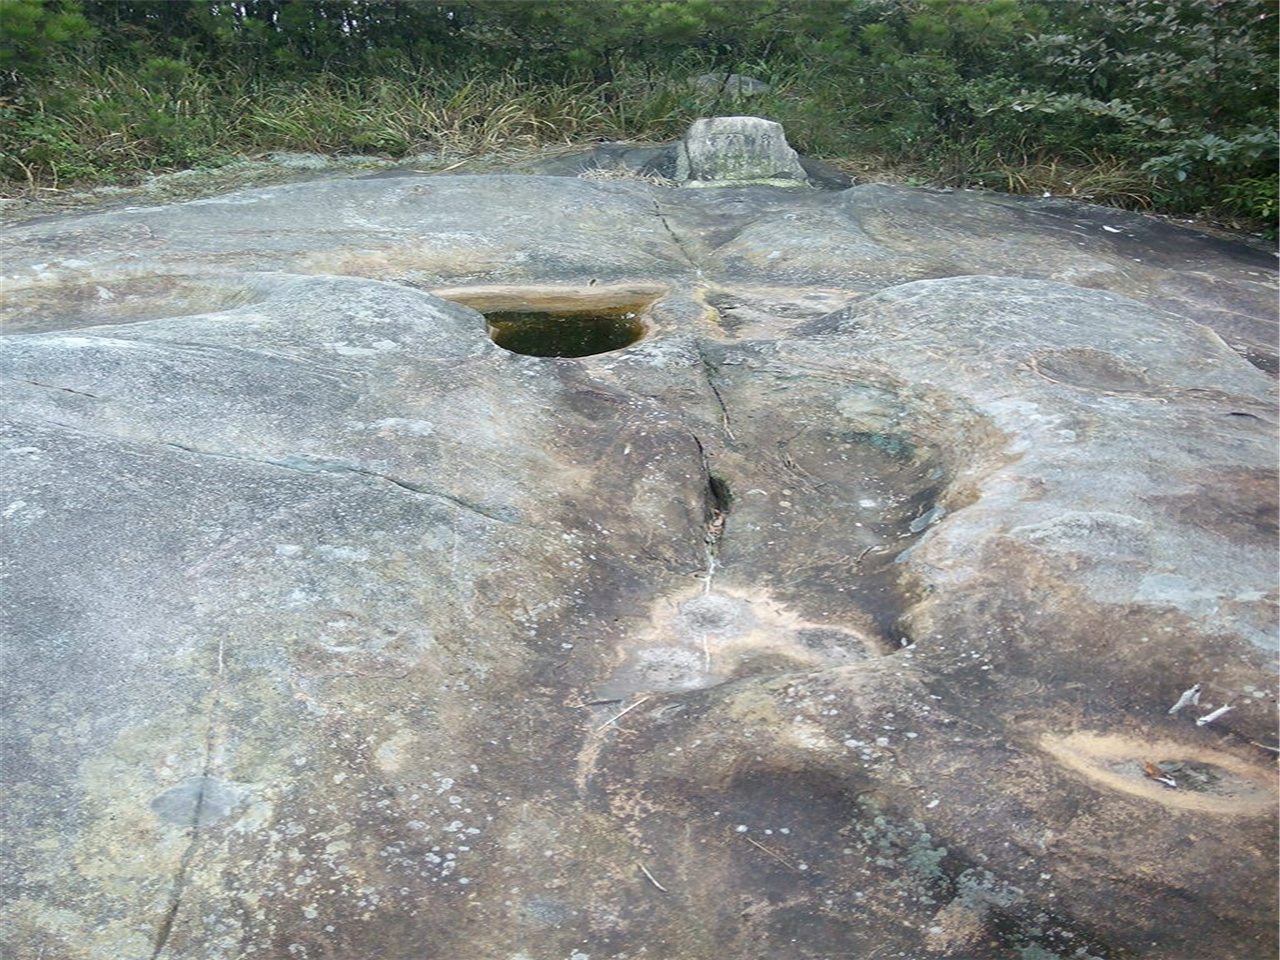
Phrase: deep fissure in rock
(721,496)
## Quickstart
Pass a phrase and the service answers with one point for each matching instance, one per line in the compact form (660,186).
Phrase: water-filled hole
(562,321)
(572,334)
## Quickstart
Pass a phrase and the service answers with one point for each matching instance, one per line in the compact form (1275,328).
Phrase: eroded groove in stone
(64,300)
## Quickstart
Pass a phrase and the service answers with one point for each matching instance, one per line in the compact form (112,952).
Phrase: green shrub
(35,37)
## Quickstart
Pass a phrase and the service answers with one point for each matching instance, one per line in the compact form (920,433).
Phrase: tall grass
(104,126)
(115,126)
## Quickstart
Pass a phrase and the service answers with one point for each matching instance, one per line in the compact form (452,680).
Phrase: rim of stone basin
(563,322)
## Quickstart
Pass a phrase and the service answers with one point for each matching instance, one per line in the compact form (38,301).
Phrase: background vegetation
(1162,104)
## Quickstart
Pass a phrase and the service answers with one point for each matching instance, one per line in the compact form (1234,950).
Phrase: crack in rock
(675,237)
(54,386)
(717,501)
(305,465)
(709,369)
(165,929)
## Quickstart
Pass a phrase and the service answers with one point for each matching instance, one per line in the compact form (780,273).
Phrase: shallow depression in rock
(72,301)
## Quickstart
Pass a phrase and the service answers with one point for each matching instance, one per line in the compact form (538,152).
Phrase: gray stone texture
(841,615)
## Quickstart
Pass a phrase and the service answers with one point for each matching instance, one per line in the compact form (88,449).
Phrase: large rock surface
(840,616)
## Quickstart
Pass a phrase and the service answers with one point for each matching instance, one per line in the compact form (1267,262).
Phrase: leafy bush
(34,36)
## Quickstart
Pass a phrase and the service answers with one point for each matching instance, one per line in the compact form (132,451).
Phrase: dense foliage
(1170,103)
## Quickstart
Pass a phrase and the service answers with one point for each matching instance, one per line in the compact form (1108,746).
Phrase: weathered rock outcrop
(841,615)
(719,152)
(737,151)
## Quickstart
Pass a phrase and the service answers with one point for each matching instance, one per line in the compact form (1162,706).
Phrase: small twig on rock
(756,843)
(863,555)
(622,714)
(645,871)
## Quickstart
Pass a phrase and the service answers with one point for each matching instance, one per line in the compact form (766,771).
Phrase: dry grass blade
(771,853)
(645,871)
(619,716)
(625,173)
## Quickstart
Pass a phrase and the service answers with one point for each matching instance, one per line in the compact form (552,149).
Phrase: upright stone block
(737,151)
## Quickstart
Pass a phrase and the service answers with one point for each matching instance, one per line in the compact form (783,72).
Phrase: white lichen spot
(391,755)
(22,512)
